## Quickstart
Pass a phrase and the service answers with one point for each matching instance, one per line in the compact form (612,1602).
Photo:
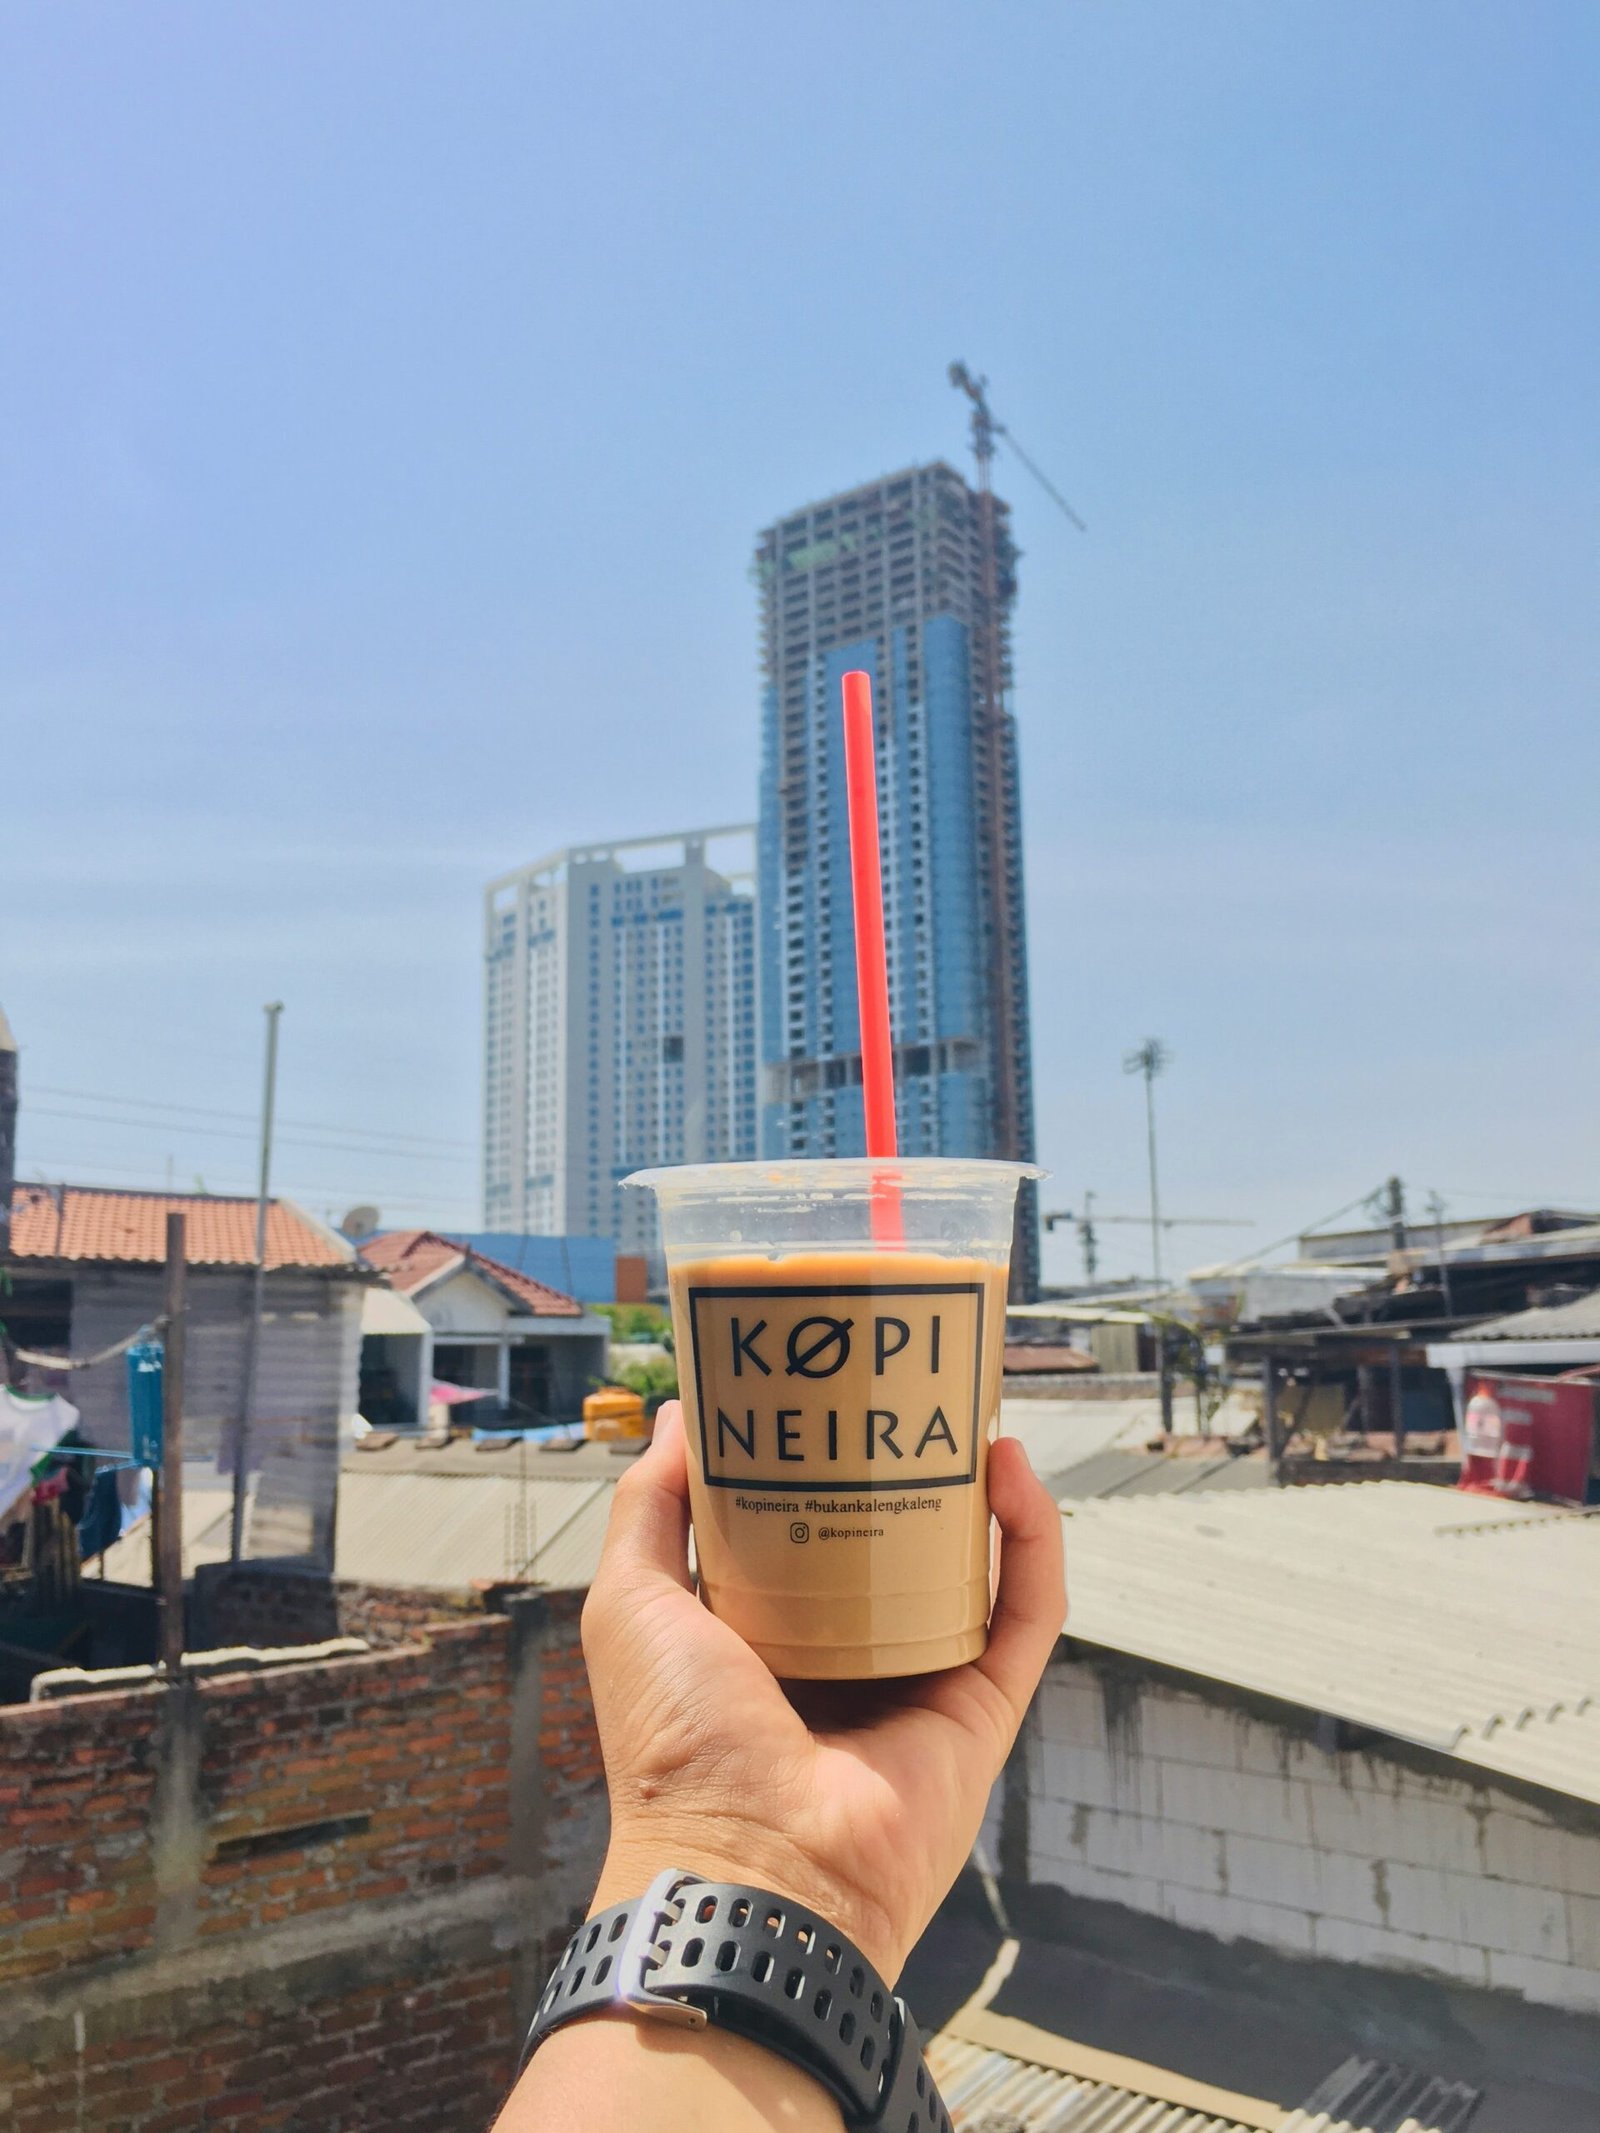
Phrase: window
(672,1051)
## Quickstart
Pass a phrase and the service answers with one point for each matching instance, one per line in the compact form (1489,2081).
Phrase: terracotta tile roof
(88,1223)
(1034,1358)
(411,1258)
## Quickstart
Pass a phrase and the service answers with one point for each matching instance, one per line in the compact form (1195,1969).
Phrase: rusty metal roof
(985,2088)
(988,2088)
(1377,2096)
(88,1224)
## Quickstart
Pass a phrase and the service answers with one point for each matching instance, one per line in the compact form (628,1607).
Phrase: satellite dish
(360,1222)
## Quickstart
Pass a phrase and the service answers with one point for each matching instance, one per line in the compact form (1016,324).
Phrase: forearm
(614,2071)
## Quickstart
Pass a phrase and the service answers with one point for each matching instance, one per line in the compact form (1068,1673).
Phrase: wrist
(757,1859)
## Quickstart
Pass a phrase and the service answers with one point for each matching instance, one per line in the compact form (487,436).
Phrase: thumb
(647,1536)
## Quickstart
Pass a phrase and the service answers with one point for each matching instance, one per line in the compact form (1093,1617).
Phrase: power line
(459,1214)
(387,1150)
(185,1111)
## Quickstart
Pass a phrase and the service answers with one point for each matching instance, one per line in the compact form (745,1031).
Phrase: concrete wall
(1189,1808)
(322,1896)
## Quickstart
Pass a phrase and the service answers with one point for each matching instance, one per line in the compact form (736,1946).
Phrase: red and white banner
(1527,1436)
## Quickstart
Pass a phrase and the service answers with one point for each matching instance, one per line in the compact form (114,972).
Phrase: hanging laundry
(29,1427)
(102,1521)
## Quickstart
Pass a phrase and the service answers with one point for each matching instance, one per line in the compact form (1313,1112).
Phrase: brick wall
(330,2065)
(261,1606)
(76,1801)
(1215,1817)
(315,1897)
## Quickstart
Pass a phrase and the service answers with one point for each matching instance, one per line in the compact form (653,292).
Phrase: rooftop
(1462,1624)
(984,2087)
(1578,1320)
(432,1521)
(414,1259)
(91,1224)
(1061,2039)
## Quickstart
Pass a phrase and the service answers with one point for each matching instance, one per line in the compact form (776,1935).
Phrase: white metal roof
(207,1519)
(434,1532)
(1461,1623)
(443,1532)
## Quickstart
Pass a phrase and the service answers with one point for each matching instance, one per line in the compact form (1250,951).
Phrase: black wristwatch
(693,1951)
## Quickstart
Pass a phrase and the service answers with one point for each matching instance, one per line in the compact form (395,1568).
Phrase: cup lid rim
(848,1172)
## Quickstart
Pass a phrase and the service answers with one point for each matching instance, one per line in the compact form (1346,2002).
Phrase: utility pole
(1394,1206)
(1150,1059)
(8,1130)
(252,1349)
(169,1484)
(1436,1209)
(1087,1238)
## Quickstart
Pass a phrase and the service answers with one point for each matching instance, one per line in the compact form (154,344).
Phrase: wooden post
(1164,1363)
(169,1487)
(1397,1412)
(1269,1418)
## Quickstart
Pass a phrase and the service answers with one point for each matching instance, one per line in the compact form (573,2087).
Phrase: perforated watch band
(692,1952)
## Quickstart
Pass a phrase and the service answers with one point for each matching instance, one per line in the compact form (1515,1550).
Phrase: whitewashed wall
(1187,1809)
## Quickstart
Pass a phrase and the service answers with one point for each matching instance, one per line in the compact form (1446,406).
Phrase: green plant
(638,1322)
(654,1379)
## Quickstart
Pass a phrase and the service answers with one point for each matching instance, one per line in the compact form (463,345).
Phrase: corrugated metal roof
(1377,2096)
(984,2088)
(442,1533)
(1060,1434)
(88,1223)
(384,1453)
(1117,1472)
(207,1517)
(434,1532)
(1461,1623)
(1579,1320)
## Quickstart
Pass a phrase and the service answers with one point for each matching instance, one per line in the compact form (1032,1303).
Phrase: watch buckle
(638,1954)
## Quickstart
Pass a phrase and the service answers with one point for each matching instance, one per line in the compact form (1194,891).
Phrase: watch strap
(765,1968)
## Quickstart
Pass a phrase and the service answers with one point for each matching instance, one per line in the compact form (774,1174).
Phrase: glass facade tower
(619,1030)
(911,578)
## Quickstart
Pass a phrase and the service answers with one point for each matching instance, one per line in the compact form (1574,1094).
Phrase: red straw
(872,962)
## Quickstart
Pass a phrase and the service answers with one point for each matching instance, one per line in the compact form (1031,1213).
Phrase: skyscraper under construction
(911,578)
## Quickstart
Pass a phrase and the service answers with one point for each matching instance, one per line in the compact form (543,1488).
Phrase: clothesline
(89,1451)
(88,1362)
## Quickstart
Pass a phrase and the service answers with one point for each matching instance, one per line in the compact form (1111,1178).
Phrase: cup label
(844,1386)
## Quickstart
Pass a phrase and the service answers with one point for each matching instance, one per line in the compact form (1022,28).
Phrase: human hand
(858,1799)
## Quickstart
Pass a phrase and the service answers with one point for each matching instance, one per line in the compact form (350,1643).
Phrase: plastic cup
(840,1331)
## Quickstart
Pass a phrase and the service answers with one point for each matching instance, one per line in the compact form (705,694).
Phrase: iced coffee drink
(839,1335)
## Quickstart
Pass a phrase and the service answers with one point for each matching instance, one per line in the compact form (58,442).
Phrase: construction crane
(1087,1222)
(985,429)
(999,821)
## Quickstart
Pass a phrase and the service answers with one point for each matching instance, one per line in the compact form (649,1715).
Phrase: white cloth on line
(28,1427)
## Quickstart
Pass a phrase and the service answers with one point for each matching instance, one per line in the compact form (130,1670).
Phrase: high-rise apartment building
(619,1029)
(911,578)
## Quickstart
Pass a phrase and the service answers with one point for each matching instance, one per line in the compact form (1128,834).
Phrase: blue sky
(392,393)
